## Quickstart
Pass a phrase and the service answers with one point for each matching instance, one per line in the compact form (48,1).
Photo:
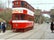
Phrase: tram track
(25,33)
(40,31)
(14,35)
(33,33)
(3,34)
(44,32)
(8,35)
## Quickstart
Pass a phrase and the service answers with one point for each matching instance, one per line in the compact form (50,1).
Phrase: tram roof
(26,5)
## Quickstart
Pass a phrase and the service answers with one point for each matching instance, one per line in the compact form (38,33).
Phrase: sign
(17,11)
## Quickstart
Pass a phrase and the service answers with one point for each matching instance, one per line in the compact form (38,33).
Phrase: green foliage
(6,14)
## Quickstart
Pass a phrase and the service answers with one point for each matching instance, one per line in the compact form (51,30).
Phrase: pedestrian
(0,26)
(52,26)
(3,27)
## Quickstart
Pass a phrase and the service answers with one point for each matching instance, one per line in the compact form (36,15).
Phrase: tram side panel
(27,23)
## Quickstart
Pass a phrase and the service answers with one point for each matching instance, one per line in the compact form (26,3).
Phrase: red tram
(22,16)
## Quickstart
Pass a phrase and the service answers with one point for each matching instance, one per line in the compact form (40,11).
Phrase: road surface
(40,31)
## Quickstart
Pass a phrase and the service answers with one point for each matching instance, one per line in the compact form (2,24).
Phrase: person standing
(0,26)
(52,26)
(3,27)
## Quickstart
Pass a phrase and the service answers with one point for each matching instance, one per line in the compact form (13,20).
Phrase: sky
(42,4)
(37,4)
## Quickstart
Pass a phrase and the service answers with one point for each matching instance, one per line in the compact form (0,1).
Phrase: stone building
(52,14)
(38,16)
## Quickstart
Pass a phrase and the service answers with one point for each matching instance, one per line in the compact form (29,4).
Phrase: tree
(6,14)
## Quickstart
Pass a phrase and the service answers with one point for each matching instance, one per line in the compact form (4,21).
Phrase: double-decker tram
(22,16)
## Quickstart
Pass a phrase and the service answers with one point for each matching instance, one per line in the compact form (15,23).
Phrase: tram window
(22,17)
(22,4)
(16,17)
